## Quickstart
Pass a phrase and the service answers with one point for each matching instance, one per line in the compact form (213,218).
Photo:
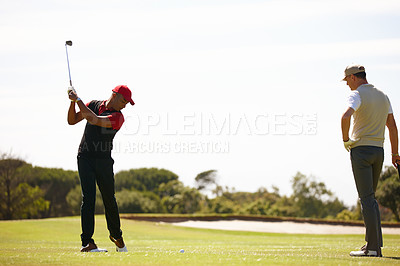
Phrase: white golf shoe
(366,253)
(119,243)
(92,247)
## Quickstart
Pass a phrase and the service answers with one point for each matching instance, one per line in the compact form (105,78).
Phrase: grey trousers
(366,162)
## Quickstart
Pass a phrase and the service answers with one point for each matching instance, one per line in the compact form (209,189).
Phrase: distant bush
(136,202)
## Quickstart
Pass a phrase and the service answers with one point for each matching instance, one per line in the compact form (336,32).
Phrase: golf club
(398,169)
(68,43)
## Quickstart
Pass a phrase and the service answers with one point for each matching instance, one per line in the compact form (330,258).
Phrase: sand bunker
(282,227)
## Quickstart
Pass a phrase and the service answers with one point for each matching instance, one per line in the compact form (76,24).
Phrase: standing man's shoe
(120,244)
(366,253)
(92,247)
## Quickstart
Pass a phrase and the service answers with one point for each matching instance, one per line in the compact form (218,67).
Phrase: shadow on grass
(392,258)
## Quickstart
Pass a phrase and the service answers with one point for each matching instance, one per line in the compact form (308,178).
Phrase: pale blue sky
(250,63)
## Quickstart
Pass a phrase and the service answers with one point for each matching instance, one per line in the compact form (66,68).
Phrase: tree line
(28,192)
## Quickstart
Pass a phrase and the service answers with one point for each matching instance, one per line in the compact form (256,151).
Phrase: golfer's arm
(346,119)
(92,118)
(393,134)
(73,116)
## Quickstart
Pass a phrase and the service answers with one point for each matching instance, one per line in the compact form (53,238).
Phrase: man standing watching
(95,165)
(371,111)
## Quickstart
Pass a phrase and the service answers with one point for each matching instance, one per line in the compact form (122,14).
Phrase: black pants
(367,164)
(100,171)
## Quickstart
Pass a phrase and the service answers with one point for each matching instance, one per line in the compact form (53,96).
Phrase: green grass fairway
(57,241)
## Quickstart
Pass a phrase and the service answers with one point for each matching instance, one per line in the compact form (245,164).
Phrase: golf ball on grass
(181,251)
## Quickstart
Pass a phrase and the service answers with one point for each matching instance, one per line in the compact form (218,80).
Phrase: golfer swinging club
(371,111)
(95,165)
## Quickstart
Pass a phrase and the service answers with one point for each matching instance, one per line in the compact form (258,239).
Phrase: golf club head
(68,43)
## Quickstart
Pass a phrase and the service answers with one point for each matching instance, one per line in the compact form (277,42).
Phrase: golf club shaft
(398,169)
(69,72)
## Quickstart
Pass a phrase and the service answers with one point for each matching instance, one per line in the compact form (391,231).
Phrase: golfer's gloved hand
(349,143)
(72,94)
(71,89)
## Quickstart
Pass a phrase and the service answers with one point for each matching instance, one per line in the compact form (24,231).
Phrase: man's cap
(125,92)
(353,69)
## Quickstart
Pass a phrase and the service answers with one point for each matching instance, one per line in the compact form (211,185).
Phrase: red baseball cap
(125,92)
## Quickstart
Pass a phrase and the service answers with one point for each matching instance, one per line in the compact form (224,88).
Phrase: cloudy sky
(249,88)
